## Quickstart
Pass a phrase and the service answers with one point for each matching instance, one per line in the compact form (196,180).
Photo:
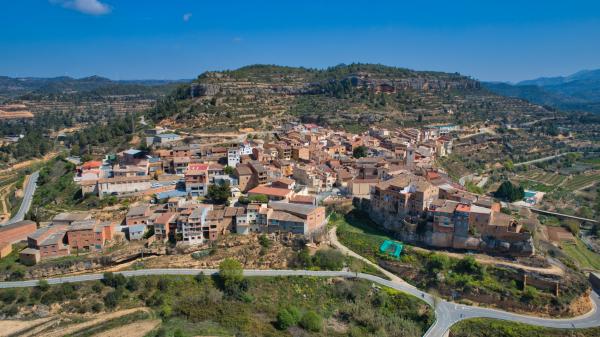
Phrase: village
(190,194)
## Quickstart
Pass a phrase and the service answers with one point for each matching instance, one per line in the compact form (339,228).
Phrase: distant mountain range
(576,92)
(18,86)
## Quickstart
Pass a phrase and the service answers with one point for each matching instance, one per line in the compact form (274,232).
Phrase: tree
(231,274)
(311,321)
(509,192)
(228,170)
(359,152)
(114,280)
(219,193)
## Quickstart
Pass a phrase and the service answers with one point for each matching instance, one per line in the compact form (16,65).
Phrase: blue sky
(140,39)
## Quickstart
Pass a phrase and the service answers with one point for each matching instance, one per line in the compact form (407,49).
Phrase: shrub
(43,285)
(285,319)
(114,280)
(311,321)
(132,284)
(231,274)
(200,277)
(468,265)
(97,307)
(163,284)
(166,311)
(329,259)
(264,241)
(304,259)
(111,300)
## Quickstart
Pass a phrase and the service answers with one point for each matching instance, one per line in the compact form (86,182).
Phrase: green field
(580,253)
(485,327)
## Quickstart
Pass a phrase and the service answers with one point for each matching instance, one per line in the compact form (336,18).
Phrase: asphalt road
(447,313)
(27,198)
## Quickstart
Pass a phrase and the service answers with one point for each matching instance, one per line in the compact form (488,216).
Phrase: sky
(179,39)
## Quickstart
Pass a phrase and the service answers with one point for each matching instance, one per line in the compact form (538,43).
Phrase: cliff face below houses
(348,96)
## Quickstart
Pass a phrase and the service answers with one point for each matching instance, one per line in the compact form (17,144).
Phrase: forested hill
(577,92)
(350,96)
(28,87)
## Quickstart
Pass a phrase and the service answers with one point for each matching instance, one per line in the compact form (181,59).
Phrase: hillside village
(193,194)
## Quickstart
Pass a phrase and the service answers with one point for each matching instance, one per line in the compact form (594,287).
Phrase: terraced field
(581,181)
(544,177)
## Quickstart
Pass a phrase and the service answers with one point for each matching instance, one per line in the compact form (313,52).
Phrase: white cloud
(92,7)
(237,39)
(187,17)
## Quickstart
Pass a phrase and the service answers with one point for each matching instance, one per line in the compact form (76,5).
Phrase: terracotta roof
(284,216)
(308,199)
(286,181)
(91,164)
(463,208)
(243,170)
(270,191)
(165,218)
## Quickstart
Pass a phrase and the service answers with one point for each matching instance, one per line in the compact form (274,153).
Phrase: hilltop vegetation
(349,96)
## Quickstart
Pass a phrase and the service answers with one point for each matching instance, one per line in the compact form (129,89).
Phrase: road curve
(27,199)
(447,313)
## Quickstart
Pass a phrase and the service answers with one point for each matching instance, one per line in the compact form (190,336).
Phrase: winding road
(27,199)
(446,313)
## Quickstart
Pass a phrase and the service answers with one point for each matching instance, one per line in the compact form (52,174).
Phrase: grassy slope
(439,272)
(497,328)
(580,253)
(191,307)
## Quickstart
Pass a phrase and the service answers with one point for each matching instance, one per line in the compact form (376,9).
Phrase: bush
(285,319)
(468,265)
(114,280)
(304,259)
(311,321)
(264,241)
(231,272)
(200,277)
(111,300)
(329,259)
(43,285)
(97,307)
(166,311)
(132,284)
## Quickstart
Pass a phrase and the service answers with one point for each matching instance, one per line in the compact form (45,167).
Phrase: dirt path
(484,259)
(137,329)
(3,196)
(94,321)
(30,162)
(9,327)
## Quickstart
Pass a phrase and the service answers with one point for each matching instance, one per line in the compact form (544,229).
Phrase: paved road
(561,215)
(447,313)
(27,198)
(541,159)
